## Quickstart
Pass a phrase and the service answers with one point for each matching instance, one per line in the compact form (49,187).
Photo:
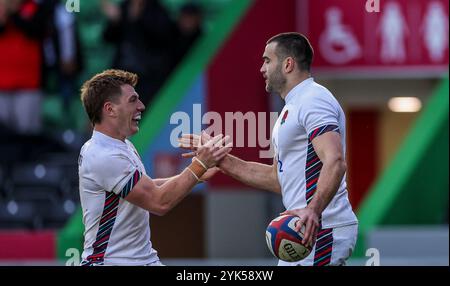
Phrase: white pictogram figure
(435,31)
(337,43)
(393,29)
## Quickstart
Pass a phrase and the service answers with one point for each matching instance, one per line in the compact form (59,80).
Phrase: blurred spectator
(21,32)
(144,33)
(189,28)
(62,52)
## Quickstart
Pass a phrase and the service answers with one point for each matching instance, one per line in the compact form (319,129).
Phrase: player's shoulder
(317,94)
(97,153)
(316,91)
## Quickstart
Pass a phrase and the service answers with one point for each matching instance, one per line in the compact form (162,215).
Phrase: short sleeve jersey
(310,111)
(116,231)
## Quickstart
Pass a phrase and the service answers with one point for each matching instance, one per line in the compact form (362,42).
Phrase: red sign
(405,36)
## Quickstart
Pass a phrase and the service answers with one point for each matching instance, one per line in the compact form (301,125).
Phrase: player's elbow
(337,162)
(276,188)
(340,165)
(160,205)
(160,209)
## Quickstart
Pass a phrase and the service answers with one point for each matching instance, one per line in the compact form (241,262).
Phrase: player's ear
(289,64)
(108,109)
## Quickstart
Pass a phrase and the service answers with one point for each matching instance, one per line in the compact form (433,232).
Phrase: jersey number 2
(280,165)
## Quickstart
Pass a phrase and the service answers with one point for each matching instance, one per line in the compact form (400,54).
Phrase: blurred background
(387,65)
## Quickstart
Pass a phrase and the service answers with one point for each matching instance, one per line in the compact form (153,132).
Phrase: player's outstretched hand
(308,218)
(213,150)
(191,142)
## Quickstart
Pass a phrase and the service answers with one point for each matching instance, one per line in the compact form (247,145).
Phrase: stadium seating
(38,179)
(18,215)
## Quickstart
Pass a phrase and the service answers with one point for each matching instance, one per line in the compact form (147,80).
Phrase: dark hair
(103,87)
(294,45)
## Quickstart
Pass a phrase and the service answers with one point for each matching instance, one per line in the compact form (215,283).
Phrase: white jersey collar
(103,138)
(297,88)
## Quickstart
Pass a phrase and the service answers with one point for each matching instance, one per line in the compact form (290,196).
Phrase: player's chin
(134,129)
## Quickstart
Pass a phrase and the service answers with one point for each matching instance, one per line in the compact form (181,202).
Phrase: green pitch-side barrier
(413,189)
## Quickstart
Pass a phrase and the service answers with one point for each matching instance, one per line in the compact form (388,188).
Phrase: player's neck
(293,82)
(109,131)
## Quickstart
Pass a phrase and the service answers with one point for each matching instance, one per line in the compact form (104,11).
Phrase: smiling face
(272,70)
(128,110)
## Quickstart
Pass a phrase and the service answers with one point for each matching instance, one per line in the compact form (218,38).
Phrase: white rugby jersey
(116,231)
(310,111)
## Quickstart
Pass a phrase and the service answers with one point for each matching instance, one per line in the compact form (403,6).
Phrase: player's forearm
(327,185)
(174,189)
(257,175)
(161,181)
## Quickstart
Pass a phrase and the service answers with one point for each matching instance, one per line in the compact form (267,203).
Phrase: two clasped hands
(206,149)
(210,151)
